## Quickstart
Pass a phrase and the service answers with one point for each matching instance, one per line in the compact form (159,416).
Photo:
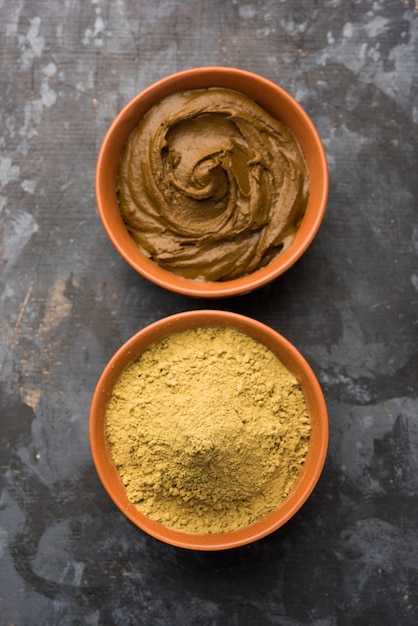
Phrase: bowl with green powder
(208,429)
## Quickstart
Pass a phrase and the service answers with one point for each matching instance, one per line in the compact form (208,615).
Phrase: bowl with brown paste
(212,182)
(208,430)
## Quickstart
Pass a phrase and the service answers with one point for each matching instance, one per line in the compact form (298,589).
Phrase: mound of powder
(208,430)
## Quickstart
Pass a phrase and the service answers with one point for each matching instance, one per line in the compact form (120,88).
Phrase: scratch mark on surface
(21,313)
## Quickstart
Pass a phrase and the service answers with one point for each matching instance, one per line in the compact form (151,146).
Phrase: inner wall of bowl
(270,96)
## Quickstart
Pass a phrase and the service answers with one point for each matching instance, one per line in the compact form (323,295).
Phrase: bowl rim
(290,356)
(127,119)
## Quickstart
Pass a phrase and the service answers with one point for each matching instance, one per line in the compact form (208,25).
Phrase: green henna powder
(208,430)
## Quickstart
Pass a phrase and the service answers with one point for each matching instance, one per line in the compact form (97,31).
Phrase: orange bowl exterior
(272,98)
(289,356)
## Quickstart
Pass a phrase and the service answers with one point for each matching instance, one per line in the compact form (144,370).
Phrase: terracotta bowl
(272,98)
(289,356)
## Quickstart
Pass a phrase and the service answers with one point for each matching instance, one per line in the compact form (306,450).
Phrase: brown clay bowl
(272,98)
(289,356)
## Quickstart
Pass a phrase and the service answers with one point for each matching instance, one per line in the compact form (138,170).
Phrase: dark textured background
(68,301)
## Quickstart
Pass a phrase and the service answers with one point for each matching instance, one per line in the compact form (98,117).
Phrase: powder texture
(208,430)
